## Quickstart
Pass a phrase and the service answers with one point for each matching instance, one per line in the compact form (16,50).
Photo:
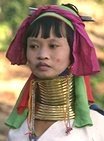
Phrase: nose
(43,54)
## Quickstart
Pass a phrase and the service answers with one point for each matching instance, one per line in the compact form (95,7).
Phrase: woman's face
(47,58)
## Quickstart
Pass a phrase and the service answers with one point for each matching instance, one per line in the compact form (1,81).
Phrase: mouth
(42,66)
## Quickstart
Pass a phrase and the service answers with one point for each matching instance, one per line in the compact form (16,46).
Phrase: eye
(53,46)
(34,46)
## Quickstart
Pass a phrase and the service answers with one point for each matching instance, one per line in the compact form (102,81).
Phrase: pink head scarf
(85,60)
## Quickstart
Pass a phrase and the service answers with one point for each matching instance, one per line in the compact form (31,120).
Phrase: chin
(45,76)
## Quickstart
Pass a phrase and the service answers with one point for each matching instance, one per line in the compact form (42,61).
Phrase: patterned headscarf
(85,60)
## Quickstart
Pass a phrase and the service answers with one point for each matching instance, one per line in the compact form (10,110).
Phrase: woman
(53,105)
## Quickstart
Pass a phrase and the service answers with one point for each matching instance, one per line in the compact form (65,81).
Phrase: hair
(46,24)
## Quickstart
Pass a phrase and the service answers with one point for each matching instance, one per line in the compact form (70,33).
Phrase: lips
(42,66)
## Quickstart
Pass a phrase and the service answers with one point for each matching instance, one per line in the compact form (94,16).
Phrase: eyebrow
(38,40)
(33,39)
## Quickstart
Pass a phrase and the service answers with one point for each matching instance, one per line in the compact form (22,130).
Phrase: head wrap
(85,60)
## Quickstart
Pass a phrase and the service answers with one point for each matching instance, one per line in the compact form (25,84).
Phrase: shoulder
(97,115)
(17,134)
(98,121)
(96,108)
(98,125)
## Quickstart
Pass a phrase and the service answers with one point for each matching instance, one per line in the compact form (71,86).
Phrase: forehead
(46,26)
(52,31)
(51,39)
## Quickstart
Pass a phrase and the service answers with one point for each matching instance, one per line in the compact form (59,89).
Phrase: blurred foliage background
(12,79)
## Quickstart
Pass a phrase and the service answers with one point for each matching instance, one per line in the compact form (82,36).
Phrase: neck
(55,98)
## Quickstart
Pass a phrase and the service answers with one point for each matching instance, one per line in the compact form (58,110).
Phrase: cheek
(64,61)
(58,60)
(30,60)
(63,58)
(29,56)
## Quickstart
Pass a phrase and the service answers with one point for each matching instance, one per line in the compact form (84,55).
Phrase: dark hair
(46,23)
